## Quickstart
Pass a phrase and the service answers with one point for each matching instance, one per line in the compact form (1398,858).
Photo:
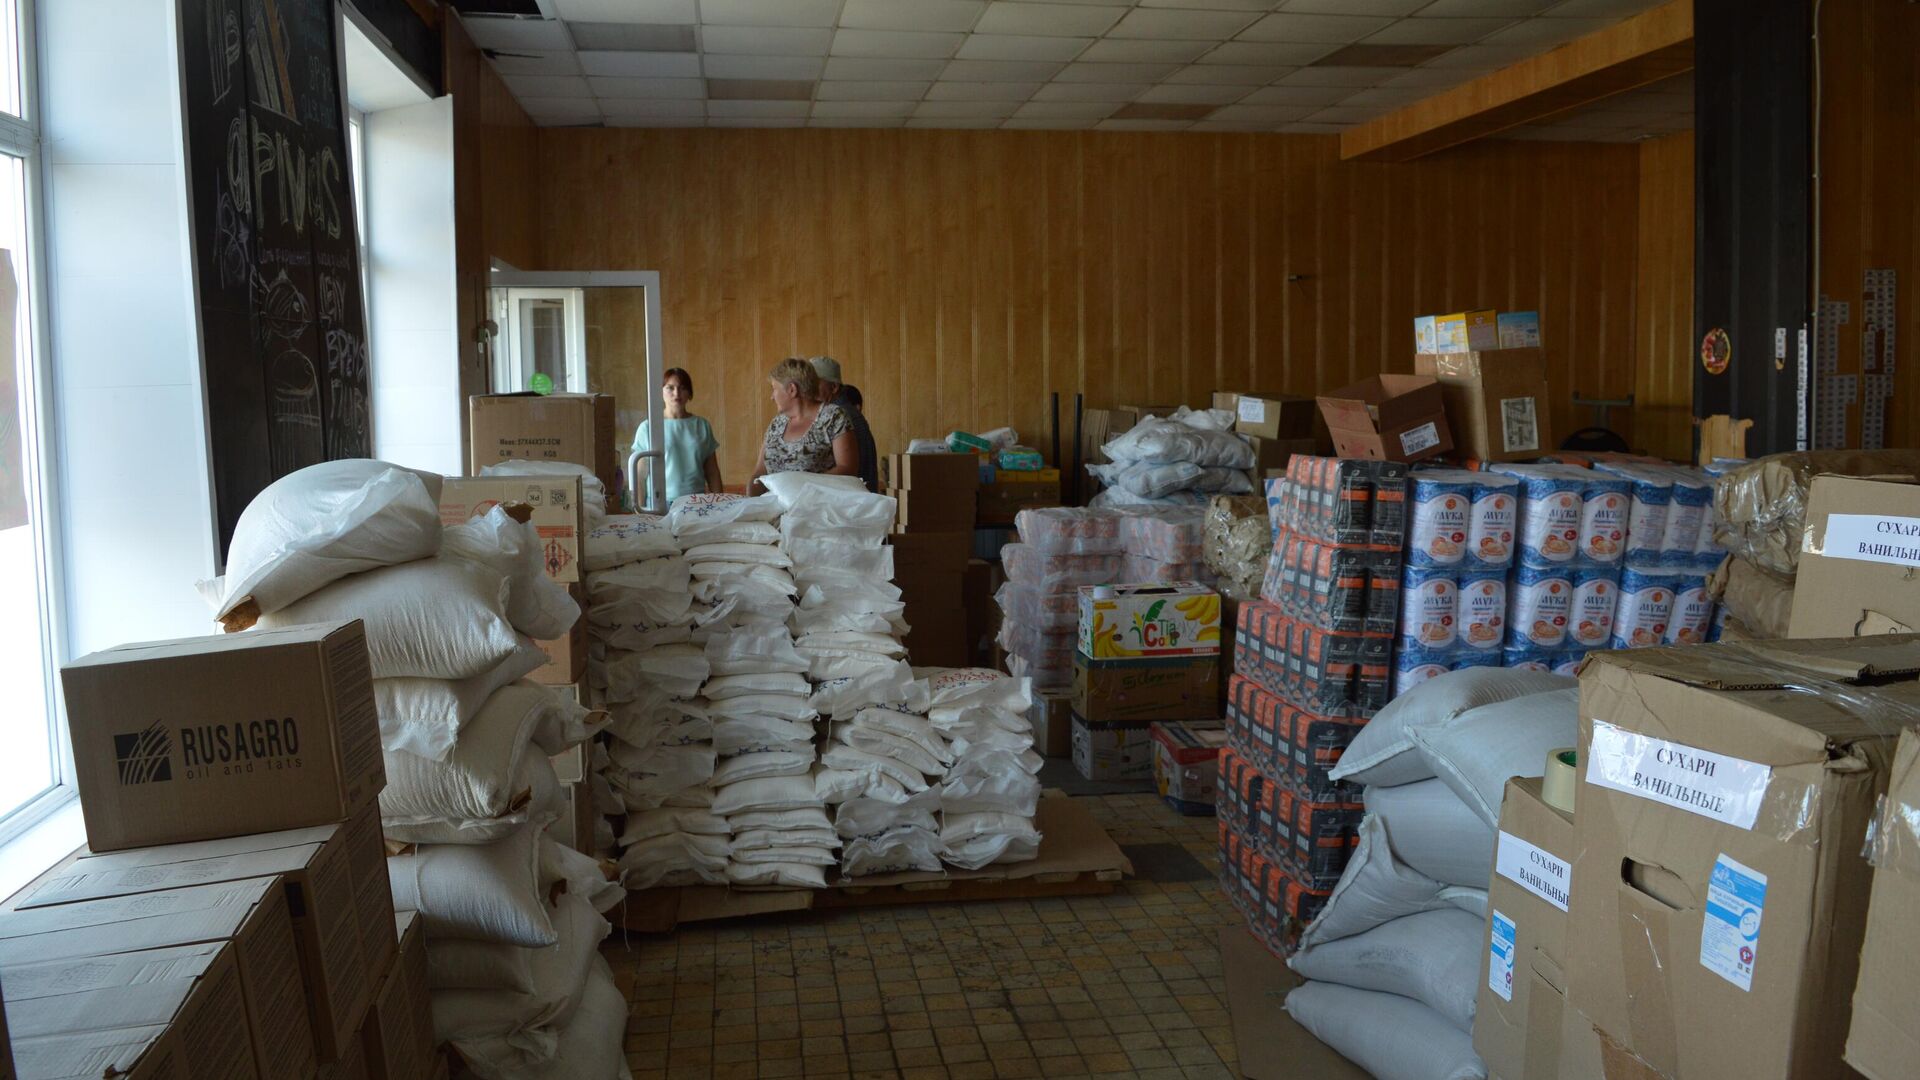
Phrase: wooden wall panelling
(1663,347)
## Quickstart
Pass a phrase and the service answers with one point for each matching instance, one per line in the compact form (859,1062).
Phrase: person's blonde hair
(800,373)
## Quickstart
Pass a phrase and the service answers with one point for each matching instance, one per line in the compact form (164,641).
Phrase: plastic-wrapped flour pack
(1442,508)
(627,538)
(1539,604)
(1646,606)
(694,519)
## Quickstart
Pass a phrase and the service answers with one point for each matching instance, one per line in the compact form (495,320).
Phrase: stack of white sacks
(512,917)
(1176,461)
(1393,961)
(992,788)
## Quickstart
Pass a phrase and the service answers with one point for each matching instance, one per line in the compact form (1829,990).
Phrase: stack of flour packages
(513,918)
(1393,961)
(1176,461)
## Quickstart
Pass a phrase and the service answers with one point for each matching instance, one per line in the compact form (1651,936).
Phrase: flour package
(536,605)
(627,538)
(1432,957)
(1650,496)
(1442,513)
(497,778)
(1539,606)
(438,618)
(1391,1037)
(1645,609)
(424,716)
(482,892)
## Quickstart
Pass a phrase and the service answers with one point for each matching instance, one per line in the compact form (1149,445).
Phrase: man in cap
(835,392)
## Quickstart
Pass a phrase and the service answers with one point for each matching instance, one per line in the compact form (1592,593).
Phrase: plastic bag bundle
(1170,536)
(1183,437)
(882,770)
(1236,540)
(1049,649)
(1067,530)
(991,789)
(1035,569)
(1139,569)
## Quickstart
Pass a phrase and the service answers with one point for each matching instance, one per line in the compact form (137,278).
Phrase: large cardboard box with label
(1858,556)
(1141,691)
(251,914)
(1497,404)
(399,1030)
(1884,1042)
(1268,415)
(209,737)
(553,503)
(1516,1026)
(1719,895)
(575,428)
(1388,418)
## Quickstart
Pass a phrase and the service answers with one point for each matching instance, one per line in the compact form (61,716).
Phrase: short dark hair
(686,380)
(852,394)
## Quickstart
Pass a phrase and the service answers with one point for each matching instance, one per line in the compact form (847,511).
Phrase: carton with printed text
(1858,556)
(1884,1042)
(1516,1025)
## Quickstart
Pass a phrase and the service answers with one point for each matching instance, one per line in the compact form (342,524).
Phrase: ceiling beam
(1651,46)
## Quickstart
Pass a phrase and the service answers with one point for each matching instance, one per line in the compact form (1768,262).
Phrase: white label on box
(1424,437)
(1519,424)
(1726,789)
(1500,957)
(1730,934)
(1871,538)
(1253,410)
(1533,869)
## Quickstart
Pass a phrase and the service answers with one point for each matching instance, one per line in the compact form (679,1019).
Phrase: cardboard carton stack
(575,429)
(1883,1042)
(1143,653)
(932,542)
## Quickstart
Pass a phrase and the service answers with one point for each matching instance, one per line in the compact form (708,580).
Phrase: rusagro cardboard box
(1388,418)
(576,428)
(342,948)
(1884,1042)
(399,1031)
(1516,1025)
(1497,404)
(1140,691)
(1858,554)
(217,736)
(1719,896)
(251,914)
(553,502)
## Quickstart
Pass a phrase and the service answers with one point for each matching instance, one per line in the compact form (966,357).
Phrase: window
(357,165)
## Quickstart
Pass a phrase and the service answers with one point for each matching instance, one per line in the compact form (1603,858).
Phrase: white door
(544,346)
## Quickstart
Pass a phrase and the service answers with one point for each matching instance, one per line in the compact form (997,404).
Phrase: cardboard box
(329,908)
(351,1066)
(1578,1053)
(1273,416)
(1518,329)
(1110,752)
(192,991)
(554,501)
(932,552)
(998,503)
(1426,334)
(1857,559)
(1052,716)
(209,737)
(577,428)
(566,656)
(931,510)
(1884,1041)
(1497,404)
(955,474)
(1273,454)
(399,1031)
(1719,896)
(1516,1026)
(1138,691)
(142,1053)
(251,914)
(1388,418)
(1178,618)
(1186,763)
(1466,331)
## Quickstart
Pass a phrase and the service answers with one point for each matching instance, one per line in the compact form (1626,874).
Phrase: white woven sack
(1382,753)
(896,851)
(626,538)
(771,793)
(536,800)
(316,526)
(588,1047)
(693,518)
(868,818)
(456,964)
(731,686)
(792,875)
(480,782)
(778,706)
(1375,888)
(660,770)
(675,670)
(675,859)
(657,592)
(745,840)
(978,687)
(1432,957)
(1435,833)
(1391,1037)
(536,605)
(668,821)
(805,819)
(438,618)
(846,758)
(887,745)
(425,716)
(826,665)
(484,892)
(891,685)
(767,763)
(755,649)
(580,873)
(744,554)
(993,782)
(806,490)
(528,1021)
(1483,748)
(974,840)
(757,734)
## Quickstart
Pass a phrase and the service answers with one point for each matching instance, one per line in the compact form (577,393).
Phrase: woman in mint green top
(693,463)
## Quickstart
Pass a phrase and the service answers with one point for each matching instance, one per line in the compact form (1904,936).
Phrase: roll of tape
(1557,786)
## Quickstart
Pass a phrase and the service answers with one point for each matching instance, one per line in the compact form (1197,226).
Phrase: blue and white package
(1429,608)
(1482,611)
(1649,493)
(1411,667)
(1549,514)
(1442,503)
(1526,658)
(1646,606)
(1566,663)
(1596,592)
(1692,617)
(1494,523)
(1277,503)
(1707,552)
(1470,659)
(1689,514)
(1718,626)
(1604,503)
(1539,600)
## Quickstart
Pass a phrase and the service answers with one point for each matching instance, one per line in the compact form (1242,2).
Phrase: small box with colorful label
(1178,618)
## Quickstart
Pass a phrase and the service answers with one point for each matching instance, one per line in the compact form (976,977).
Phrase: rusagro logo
(239,746)
(144,757)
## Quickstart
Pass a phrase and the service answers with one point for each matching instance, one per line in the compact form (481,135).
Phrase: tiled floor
(1121,985)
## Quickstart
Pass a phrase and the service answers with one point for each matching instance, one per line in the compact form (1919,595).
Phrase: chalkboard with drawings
(284,341)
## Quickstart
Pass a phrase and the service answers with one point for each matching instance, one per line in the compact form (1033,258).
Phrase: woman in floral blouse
(805,436)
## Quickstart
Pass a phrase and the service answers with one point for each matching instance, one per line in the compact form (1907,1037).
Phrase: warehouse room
(1412,574)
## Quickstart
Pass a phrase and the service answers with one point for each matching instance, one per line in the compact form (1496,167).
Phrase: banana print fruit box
(1179,618)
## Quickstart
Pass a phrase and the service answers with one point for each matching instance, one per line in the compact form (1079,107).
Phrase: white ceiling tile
(1276,53)
(1177,94)
(1545,33)
(547,86)
(537,63)
(634,37)
(682,12)
(1430,78)
(902,44)
(1464,8)
(770,12)
(1056,20)
(1339,76)
(856,122)
(911,14)
(1344,114)
(848,67)
(981,91)
(1264,114)
(1111,50)
(1228,74)
(560,108)
(755,122)
(1037,123)
(964,110)
(1331,29)
(1071,3)
(832,90)
(1143,125)
(1602,9)
(1021,47)
(763,67)
(1000,71)
(1390,96)
(1085,111)
(1303,127)
(1355,7)
(1423,31)
(655,65)
(864,109)
(1482,57)
(1113,93)
(1162,24)
(628,107)
(765,40)
(1320,96)
(954,123)
(648,88)
(1213,5)
(1115,73)
(758,108)
(657,122)
(518,35)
